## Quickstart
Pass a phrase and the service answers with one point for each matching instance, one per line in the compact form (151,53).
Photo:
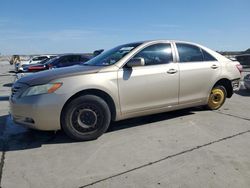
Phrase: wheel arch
(227,84)
(102,94)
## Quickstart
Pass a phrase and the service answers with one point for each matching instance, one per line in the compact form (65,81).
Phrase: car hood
(49,75)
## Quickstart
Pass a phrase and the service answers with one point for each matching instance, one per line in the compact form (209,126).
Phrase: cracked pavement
(186,148)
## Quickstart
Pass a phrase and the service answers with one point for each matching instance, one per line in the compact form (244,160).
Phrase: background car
(33,60)
(25,67)
(65,60)
(244,60)
(247,81)
(97,52)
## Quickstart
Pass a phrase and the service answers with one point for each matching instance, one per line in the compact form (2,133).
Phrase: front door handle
(214,66)
(172,71)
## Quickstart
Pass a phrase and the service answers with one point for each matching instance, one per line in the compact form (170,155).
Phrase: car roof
(166,40)
(212,52)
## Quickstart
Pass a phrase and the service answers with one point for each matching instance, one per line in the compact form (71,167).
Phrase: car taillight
(239,67)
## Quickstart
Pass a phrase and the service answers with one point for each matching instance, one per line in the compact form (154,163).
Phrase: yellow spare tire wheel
(217,98)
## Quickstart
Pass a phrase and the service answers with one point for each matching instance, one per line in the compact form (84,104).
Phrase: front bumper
(40,112)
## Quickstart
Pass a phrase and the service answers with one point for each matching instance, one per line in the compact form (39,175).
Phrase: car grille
(17,89)
(14,91)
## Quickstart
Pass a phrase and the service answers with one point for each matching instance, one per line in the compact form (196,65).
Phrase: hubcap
(216,98)
(87,118)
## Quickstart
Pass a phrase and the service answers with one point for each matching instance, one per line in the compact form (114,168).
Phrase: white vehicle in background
(33,60)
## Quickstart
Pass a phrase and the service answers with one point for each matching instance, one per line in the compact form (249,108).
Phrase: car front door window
(156,54)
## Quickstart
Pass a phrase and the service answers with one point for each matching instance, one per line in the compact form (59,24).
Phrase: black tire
(85,118)
(212,105)
(247,88)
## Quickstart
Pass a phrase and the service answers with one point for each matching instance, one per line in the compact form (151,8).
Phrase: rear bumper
(235,84)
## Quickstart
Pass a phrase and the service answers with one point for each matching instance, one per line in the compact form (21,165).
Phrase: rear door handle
(172,71)
(214,66)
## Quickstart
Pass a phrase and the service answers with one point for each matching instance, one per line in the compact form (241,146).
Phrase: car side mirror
(136,62)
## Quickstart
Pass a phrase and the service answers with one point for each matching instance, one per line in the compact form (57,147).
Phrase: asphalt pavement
(186,148)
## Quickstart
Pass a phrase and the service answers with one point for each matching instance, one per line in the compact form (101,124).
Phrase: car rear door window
(69,60)
(156,54)
(74,58)
(84,58)
(207,56)
(63,61)
(189,53)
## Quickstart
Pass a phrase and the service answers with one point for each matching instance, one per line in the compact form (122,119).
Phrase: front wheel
(217,98)
(85,118)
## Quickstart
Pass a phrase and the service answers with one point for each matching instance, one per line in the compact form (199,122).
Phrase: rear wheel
(217,97)
(86,118)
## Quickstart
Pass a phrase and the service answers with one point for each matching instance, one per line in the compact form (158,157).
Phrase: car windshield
(112,56)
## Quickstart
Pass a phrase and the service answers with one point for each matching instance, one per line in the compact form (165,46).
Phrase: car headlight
(41,89)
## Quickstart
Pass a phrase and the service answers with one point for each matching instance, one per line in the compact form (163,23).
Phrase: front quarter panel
(104,81)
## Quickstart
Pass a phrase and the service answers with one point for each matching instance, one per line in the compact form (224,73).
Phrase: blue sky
(58,26)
